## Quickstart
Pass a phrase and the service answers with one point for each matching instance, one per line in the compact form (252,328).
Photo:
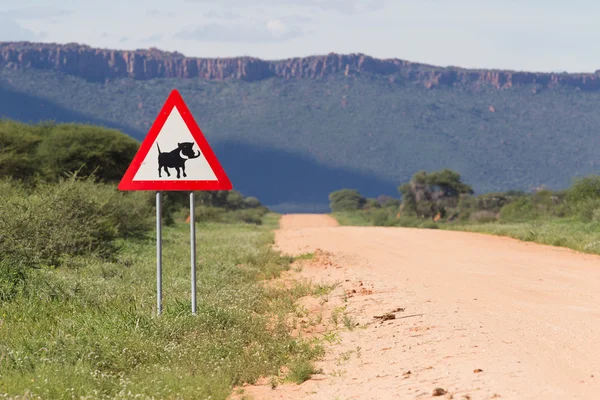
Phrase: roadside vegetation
(77,280)
(441,200)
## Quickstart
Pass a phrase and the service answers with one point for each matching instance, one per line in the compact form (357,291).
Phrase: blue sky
(531,35)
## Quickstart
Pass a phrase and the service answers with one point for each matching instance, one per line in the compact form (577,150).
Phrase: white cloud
(276,26)
(157,13)
(225,14)
(11,31)
(151,39)
(251,31)
(35,12)
(343,6)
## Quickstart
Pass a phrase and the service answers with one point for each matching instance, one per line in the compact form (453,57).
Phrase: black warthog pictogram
(176,158)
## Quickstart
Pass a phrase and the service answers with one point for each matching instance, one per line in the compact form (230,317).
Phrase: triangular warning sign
(175,155)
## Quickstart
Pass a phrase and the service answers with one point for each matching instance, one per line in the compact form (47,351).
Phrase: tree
(427,195)
(449,182)
(346,200)
(88,149)
(18,144)
(586,188)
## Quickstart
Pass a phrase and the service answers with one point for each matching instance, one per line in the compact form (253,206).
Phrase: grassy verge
(88,330)
(381,218)
(563,232)
(352,218)
(573,234)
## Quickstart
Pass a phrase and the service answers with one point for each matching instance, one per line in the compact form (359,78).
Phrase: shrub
(346,200)
(429,225)
(382,218)
(483,217)
(300,371)
(252,202)
(217,214)
(427,195)
(12,279)
(587,209)
(584,189)
(371,204)
(131,212)
(519,210)
(408,222)
(596,215)
(249,216)
(388,201)
(106,153)
(209,214)
(18,144)
(72,217)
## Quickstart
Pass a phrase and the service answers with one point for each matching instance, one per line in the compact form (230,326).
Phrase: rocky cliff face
(101,65)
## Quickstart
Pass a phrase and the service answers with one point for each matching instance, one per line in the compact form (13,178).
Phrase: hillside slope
(291,138)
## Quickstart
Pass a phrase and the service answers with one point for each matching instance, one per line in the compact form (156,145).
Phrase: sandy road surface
(527,316)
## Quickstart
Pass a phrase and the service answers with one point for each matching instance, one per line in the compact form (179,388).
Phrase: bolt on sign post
(175,156)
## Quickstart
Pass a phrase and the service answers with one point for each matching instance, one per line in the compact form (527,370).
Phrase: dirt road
(483,316)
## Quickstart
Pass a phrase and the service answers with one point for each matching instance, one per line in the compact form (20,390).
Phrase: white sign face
(174,155)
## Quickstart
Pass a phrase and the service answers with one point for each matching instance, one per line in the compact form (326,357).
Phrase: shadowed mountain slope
(291,138)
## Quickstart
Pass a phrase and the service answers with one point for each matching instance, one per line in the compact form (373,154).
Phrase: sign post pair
(175,156)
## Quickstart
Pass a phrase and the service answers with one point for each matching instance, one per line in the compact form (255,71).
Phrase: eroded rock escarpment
(101,64)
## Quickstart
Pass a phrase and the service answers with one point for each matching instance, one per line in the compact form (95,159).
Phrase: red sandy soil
(481,316)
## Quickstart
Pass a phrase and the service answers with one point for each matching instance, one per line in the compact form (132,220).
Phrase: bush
(430,194)
(209,214)
(389,202)
(520,210)
(483,217)
(106,153)
(429,225)
(408,222)
(584,189)
(382,218)
(18,144)
(346,200)
(52,150)
(12,279)
(252,202)
(596,215)
(371,204)
(249,216)
(217,214)
(73,217)
(214,206)
(586,210)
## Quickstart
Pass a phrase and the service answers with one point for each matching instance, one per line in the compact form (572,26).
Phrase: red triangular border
(175,100)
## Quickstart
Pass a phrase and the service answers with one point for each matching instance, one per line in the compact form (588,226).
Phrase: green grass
(88,329)
(352,218)
(573,234)
(563,232)
(305,256)
(362,218)
(301,371)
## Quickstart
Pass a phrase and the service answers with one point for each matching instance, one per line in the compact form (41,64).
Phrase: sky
(526,35)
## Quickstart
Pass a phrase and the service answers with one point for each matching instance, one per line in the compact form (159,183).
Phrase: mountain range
(291,131)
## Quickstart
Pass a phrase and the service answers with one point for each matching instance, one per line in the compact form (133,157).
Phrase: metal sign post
(193,250)
(175,128)
(158,256)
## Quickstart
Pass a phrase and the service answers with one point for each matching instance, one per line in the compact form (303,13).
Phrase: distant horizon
(416,62)
(544,36)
